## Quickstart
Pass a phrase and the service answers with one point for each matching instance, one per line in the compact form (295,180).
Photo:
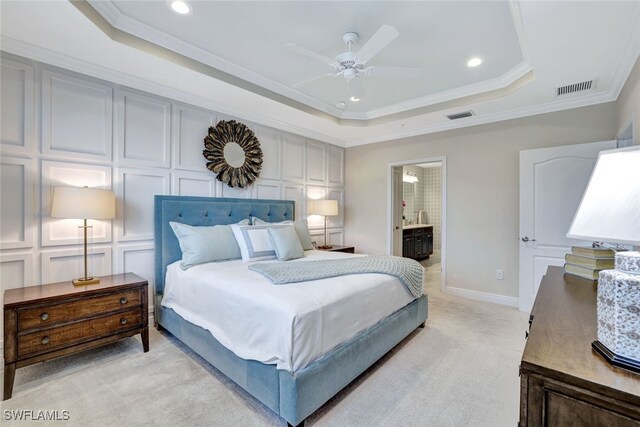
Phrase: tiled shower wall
(432,184)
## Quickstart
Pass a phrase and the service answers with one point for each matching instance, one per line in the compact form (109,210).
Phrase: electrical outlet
(499,274)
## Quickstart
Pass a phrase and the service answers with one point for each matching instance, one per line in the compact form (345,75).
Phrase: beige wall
(482,189)
(628,104)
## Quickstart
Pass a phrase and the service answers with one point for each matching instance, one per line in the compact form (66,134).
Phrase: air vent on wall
(575,87)
(460,115)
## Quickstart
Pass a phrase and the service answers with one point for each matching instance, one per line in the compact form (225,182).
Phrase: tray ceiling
(232,57)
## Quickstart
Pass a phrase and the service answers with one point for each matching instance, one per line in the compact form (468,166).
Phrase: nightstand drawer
(51,315)
(50,339)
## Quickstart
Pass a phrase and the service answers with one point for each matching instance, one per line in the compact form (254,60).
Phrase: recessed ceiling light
(354,99)
(474,62)
(181,7)
(341,104)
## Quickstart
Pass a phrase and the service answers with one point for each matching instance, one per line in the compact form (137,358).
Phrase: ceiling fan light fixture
(180,7)
(474,62)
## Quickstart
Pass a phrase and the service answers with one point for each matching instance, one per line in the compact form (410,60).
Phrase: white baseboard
(482,296)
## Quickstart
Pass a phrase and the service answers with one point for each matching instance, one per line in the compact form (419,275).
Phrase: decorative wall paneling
(66,264)
(17,107)
(57,231)
(17,227)
(63,128)
(144,130)
(135,189)
(77,117)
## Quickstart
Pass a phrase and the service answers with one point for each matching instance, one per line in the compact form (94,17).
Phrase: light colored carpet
(462,369)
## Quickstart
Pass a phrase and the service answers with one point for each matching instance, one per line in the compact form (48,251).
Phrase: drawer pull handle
(123,321)
(123,300)
(44,316)
(45,340)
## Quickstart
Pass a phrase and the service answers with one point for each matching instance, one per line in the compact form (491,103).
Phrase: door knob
(526,239)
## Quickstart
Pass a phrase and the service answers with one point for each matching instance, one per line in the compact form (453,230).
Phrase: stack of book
(586,262)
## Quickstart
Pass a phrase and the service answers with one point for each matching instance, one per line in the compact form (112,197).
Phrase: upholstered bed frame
(293,396)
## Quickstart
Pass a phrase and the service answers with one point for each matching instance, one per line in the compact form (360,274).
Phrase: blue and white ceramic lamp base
(618,308)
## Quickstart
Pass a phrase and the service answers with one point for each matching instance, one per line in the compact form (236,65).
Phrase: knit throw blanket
(408,271)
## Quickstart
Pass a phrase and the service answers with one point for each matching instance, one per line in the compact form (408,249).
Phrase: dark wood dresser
(47,321)
(563,382)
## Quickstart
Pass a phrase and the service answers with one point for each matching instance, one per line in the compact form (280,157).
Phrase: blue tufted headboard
(206,211)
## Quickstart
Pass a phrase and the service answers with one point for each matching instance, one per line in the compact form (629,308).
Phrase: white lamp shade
(610,207)
(323,207)
(83,203)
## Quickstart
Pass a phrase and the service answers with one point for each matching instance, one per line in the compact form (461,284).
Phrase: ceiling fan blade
(377,42)
(310,54)
(356,89)
(312,79)
(403,72)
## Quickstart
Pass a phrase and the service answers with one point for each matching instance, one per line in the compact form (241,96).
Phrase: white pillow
(200,244)
(301,228)
(286,243)
(254,241)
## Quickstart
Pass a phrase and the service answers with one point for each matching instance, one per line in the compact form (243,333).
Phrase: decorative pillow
(206,244)
(301,228)
(254,241)
(286,243)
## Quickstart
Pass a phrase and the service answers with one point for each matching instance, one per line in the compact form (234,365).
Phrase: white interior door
(552,181)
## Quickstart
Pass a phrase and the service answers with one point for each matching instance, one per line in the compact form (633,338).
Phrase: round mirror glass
(234,154)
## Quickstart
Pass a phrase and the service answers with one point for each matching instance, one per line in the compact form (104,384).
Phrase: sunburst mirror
(233,153)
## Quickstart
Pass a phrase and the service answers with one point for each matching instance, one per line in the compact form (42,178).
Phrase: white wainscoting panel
(193,184)
(336,236)
(335,165)
(266,189)
(67,264)
(316,163)
(223,190)
(295,192)
(135,190)
(17,106)
(190,126)
(16,271)
(17,226)
(293,158)
(338,220)
(270,145)
(144,125)
(315,193)
(62,174)
(138,259)
(77,117)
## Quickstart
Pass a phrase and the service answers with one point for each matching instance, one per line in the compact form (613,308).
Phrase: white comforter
(287,325)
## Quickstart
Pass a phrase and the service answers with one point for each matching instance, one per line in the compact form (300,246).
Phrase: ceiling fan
(352,65)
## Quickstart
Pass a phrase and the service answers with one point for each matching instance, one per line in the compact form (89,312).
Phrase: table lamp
(609,215)
(325,208)
(83,203)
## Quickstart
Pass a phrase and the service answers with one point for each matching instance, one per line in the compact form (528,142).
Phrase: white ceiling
(231,56)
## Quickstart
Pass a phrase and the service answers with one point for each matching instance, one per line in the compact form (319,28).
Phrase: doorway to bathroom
(417,213)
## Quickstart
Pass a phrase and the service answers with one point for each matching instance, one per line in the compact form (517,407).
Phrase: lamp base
(614,359)
(85,281)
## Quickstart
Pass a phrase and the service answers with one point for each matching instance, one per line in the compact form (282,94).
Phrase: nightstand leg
(9,375)
(145,338)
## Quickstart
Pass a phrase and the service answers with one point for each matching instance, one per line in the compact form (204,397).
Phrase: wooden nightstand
(48,321)
(339,248)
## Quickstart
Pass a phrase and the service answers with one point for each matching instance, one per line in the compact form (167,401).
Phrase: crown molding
(584,101)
